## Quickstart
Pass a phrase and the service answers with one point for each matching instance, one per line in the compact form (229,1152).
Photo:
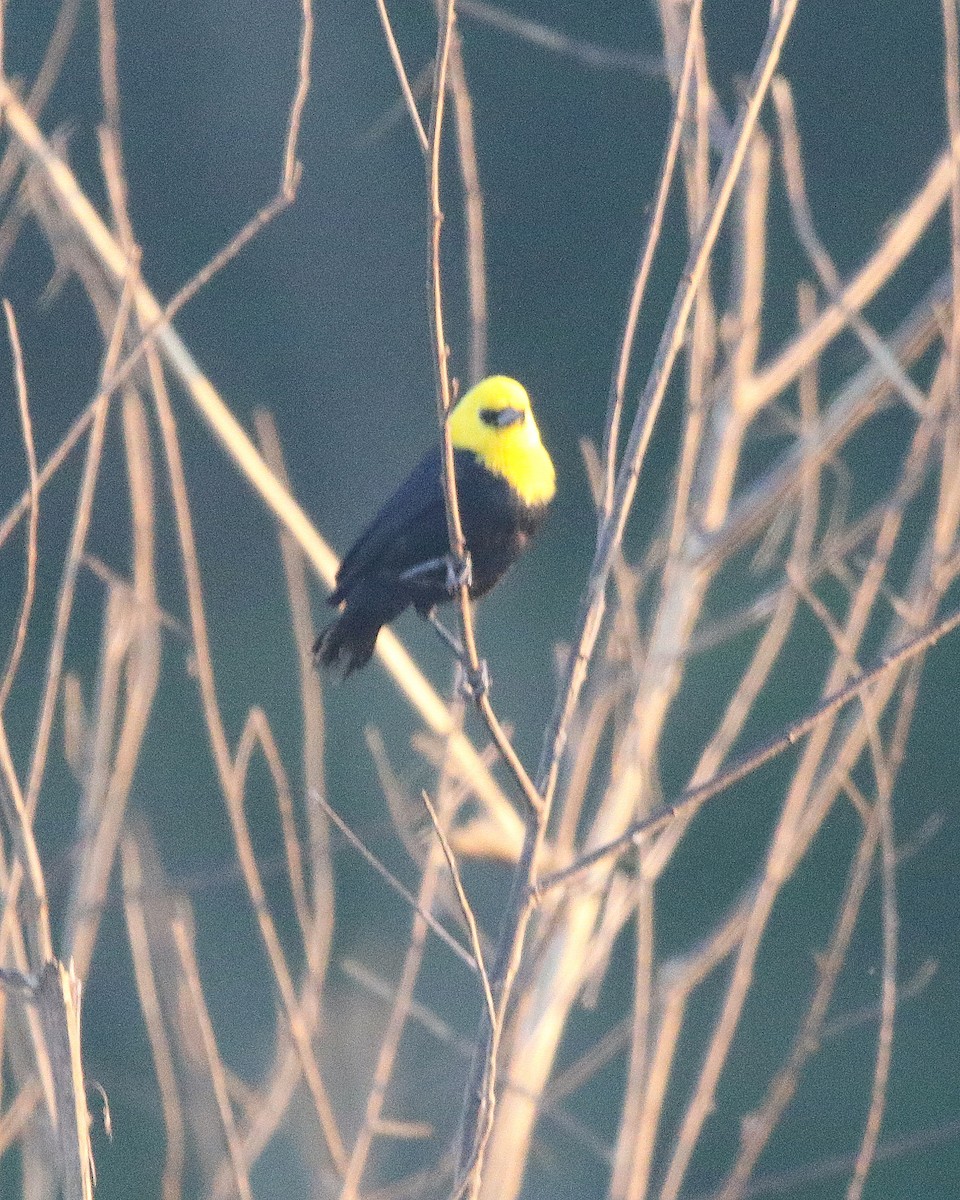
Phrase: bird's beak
(508,416)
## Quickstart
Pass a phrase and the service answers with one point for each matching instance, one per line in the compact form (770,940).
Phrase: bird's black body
(377,579)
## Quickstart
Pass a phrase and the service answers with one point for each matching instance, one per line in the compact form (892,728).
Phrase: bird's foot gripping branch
(459,572)
(473,684)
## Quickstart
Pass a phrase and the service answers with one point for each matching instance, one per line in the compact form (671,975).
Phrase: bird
(506,482)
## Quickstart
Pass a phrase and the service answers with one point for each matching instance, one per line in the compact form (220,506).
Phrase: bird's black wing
(409,529)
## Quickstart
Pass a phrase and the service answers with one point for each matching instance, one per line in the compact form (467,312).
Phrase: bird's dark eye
(501,418)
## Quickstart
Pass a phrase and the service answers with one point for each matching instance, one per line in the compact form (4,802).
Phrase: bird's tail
(347,643)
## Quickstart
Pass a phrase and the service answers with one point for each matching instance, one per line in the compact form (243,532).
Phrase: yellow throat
(494,420)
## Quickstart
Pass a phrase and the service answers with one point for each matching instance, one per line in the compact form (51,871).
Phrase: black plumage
(378,577)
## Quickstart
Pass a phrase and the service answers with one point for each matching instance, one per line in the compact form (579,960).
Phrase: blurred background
(322,320)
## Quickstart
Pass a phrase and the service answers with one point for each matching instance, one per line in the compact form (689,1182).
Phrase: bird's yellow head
(494,420)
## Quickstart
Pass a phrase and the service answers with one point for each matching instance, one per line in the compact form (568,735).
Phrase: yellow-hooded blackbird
(505,482)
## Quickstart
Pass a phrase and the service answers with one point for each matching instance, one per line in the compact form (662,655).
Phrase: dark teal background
(323,321)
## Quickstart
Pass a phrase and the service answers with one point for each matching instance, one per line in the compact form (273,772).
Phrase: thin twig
(109,84)
(50,468)
(194,993)
(538,34)
(130,665)
(385,874)
(390,1039)
(78,536)
(139,940)
(292,167)
(400,1009)
(888,1006)
(33,491)
(951,79)
(318,945)
(397,60)
(465,907)
(618,382)
(471,1168)
(18,820)
(475,253)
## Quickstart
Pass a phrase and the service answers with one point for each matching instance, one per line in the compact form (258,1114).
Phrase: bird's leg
(432,566)
(446,636)
(456,572)
(472,684)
